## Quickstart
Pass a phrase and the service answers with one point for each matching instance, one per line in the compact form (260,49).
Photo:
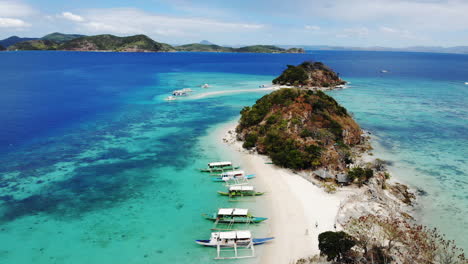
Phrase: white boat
(187,90)
(179,93)
(239,241)
(205,86)
(220,166)
(236,175)
(466,83)
(383,71)
(170,98)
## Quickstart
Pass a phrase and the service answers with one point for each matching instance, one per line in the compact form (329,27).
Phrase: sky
(362,23)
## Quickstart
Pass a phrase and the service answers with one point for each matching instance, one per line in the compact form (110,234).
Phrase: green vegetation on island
(198,47)
(38,44)
(386,239)
(13,40)
(136,43)
(60,37)
(139,43)
(309,74)
(300,129)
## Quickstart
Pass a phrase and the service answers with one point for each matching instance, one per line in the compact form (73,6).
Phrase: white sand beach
(207,94)
(298,210)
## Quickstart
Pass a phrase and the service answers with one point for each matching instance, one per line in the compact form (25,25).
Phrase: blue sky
(390,23)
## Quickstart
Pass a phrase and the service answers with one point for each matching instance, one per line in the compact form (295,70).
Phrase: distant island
(136,43)
(431,49)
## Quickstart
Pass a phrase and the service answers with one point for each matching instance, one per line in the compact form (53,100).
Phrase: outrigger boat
(233,175)
(220,166)
(234,215)
(240,191)
(237,240)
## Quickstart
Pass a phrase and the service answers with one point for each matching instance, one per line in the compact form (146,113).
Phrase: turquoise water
(421,129)
(127,191)
(95,167)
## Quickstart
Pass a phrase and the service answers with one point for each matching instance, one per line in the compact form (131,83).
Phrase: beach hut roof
(240,211)
(225,211)
(323,174)
(342,178)
(220,163)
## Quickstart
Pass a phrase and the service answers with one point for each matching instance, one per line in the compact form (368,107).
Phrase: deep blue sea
(92,159)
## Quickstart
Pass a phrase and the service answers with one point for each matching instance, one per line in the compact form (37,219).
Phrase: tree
(385,239)
(335,244)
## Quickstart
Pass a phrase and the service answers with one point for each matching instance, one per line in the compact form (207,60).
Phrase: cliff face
(300,129)
(309,74)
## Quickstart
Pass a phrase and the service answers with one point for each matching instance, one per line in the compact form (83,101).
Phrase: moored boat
(232,238)
(239,243)
(229,178)
(234,215)
(241,190)
(220,166)
(233,175)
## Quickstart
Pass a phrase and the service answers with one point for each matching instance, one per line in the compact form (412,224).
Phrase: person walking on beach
(316,224)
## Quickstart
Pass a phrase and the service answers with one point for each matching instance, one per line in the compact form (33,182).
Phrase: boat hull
(248,177)
(238,194)
(256,241)
(220,169)
(236,220)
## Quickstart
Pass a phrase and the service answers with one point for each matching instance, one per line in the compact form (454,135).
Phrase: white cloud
(72,17)
(12,23)
(312,28)
(354,32)
(403,33)
(135,21)
(14,9)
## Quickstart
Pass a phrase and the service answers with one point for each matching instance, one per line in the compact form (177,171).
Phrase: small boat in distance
(220,166)
(241,191)
(205,86)
(170,98)
(233,215)
(179,93)
(384,71)
(466,83)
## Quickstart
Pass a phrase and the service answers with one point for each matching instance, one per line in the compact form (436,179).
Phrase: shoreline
(262,89)
(299,209)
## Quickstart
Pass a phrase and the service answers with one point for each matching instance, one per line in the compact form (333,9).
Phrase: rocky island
(317,149)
